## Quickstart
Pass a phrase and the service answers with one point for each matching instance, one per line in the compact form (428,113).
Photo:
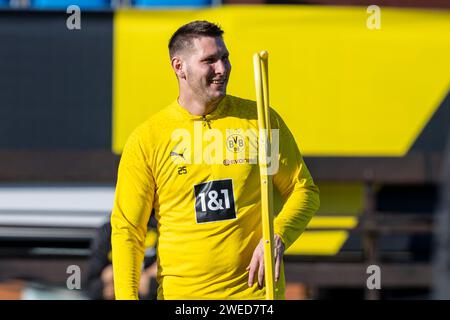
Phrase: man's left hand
(257,263)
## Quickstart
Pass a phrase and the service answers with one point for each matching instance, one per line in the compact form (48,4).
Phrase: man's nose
(221,67)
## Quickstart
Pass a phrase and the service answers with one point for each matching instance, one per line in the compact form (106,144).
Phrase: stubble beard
(203,90)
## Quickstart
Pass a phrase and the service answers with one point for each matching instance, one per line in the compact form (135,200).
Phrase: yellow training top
(201,176)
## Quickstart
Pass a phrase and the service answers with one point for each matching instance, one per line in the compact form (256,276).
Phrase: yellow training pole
(260,64)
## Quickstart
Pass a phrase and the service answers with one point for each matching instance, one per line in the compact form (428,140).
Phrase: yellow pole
(260,64)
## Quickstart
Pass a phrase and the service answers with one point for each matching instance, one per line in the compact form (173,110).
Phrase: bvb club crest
(235,143)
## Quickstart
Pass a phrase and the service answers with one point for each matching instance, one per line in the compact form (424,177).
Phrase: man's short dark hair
(182,38)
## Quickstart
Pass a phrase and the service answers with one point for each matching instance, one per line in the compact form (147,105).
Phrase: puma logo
(173,153)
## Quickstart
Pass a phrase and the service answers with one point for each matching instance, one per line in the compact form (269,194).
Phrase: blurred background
(363,85)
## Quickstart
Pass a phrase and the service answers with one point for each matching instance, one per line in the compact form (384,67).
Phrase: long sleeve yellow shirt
(201,175)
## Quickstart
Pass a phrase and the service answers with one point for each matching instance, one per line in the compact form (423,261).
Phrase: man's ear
(177,66)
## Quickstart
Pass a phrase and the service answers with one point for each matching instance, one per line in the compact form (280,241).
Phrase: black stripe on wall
(433,137)
(55,83)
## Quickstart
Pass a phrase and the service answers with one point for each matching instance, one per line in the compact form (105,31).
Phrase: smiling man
(201,65)
(208,212)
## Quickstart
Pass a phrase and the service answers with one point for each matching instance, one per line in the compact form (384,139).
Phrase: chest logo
(214,201)
(235,143)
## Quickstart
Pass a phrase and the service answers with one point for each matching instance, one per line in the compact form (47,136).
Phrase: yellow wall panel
(333,222)
(344,90)
(318,243)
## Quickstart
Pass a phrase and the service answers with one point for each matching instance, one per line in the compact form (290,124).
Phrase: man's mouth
(218,81)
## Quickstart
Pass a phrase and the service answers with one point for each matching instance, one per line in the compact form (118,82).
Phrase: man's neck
(196,107)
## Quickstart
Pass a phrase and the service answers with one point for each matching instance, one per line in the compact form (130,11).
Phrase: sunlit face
(207,68)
